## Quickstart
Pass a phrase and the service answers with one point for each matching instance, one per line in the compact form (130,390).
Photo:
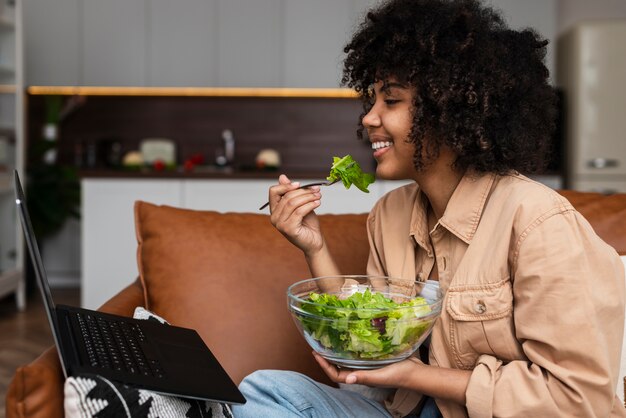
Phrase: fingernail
(317,194)
(315,188)
(351,378)
(317,202)
(296,184)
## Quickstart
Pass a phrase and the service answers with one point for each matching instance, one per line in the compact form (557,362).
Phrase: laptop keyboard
(115,345)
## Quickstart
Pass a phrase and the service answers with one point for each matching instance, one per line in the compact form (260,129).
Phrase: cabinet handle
(603,162)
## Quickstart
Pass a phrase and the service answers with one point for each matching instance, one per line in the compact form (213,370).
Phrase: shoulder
(527,200)
(535,207)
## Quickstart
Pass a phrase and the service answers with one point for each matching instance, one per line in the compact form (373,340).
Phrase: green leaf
(349,172)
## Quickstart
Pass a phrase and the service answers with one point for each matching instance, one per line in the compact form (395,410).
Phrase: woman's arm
(292,213)
(568,291)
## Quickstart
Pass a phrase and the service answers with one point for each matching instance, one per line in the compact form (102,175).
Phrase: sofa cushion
(605,213)
(36,390)
(226,275)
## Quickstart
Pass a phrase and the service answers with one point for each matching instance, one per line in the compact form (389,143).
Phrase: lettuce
(365,325)
(349,172)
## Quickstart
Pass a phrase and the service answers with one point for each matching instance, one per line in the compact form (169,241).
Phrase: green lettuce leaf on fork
(349,172)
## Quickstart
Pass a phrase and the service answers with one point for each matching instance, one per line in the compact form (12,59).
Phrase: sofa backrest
(605,213)
(226,276)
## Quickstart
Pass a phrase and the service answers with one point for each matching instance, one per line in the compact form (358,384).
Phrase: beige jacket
(534,299)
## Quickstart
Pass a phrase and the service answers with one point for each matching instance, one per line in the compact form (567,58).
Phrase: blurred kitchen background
(201,103)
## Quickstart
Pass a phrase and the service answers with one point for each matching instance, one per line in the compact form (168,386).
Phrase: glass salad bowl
(364,322)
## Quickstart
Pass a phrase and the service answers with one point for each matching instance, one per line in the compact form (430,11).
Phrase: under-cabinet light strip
(192,91)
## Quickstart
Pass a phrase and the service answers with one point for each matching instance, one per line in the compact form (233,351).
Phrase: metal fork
(320,183)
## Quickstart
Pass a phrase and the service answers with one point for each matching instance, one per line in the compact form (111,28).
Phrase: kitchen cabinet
(249,195)
(249,36)
(182,50)
(11,155)
(114,43)
(313,57)
(224,43)
(53,41)
(109,245)
(592,64)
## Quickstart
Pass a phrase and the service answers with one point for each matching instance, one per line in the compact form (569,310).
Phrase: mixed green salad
(349,172)
(365,325)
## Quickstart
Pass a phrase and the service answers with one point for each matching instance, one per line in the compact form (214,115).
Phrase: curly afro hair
(481,88)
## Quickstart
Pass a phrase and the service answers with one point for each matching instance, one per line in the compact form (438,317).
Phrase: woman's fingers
(278,191)
(336,375)
(388,376)
(292,203)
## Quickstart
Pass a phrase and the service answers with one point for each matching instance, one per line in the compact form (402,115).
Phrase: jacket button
(480,307)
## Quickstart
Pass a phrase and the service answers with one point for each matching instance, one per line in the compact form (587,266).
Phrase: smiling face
(388,125)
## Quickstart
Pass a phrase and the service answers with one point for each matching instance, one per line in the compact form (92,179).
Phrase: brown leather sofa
(225,275)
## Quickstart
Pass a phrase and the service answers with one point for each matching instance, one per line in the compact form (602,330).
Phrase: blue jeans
(429,410)
(281,394)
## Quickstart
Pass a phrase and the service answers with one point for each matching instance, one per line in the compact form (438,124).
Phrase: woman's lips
(381,147)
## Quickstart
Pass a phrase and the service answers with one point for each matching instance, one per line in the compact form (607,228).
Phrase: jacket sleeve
(568,290)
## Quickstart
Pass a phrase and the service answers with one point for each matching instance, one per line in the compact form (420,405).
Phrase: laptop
(141,353)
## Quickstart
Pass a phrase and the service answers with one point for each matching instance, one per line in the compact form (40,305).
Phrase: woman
(534,300)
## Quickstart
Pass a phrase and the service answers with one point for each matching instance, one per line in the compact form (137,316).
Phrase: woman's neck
(439,180)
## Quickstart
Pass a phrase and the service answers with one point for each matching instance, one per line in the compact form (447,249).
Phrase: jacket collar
(462,215)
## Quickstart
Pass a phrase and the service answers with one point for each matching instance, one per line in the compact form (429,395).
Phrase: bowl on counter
(364,322)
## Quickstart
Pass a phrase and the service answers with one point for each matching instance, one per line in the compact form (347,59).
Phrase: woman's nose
(371,118)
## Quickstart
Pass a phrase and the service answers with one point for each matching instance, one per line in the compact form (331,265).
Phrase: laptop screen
(33,249)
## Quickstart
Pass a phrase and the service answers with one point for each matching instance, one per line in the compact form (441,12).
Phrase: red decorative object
(158,165)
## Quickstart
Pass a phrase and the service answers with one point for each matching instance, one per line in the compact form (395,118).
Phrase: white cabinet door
(338,199)
(114,43)
(226,195)
(250,43)
(249,195)
(314,37)
(53,39)
(183,43)
(109,261)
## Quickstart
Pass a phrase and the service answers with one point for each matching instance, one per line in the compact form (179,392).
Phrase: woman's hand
(395,375)
(292,213)
(411,374)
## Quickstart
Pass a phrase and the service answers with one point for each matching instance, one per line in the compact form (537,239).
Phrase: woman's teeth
(381,144)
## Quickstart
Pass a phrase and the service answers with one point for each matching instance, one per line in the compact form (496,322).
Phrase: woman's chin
(383,174)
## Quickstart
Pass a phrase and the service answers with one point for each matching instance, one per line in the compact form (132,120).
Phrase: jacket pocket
(481,322)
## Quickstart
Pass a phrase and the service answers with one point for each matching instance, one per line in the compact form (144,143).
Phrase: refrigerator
(591,72)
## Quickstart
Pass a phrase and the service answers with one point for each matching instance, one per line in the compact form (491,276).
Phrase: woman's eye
(391,101)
